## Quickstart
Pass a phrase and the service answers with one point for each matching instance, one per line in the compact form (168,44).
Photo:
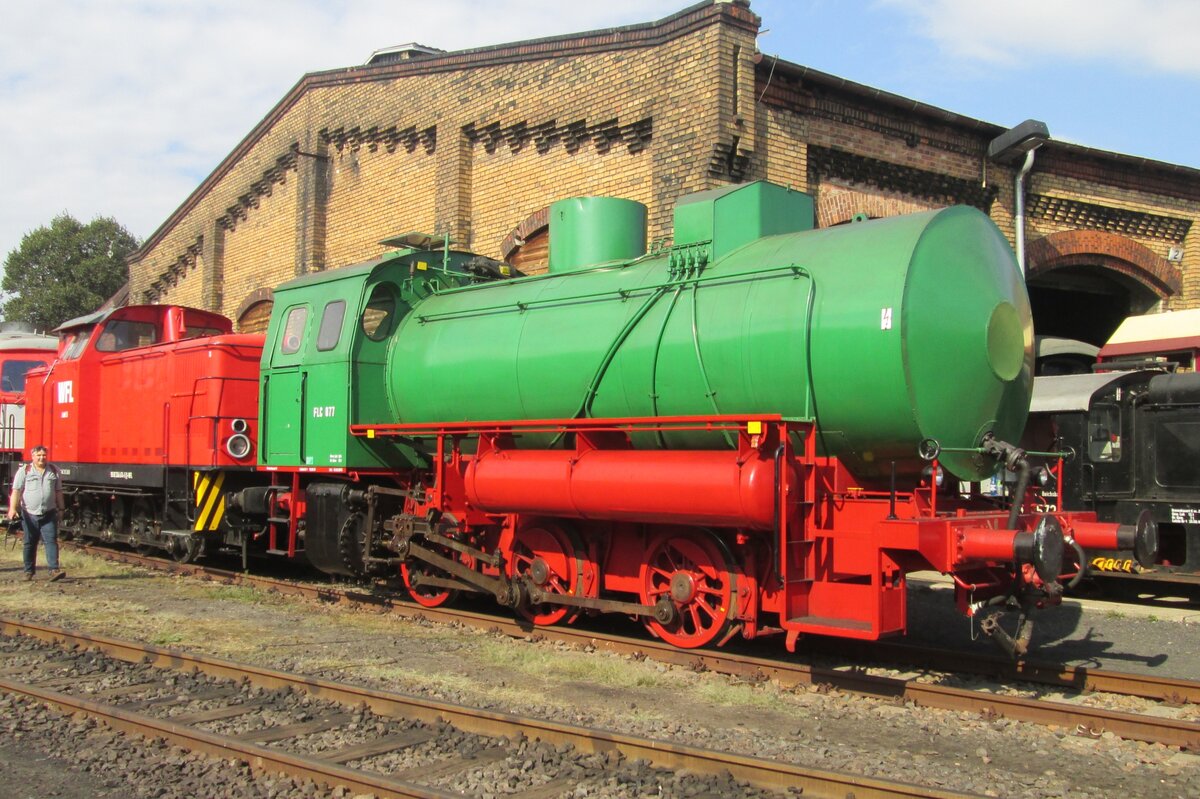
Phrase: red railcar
(21,350)
(151,413)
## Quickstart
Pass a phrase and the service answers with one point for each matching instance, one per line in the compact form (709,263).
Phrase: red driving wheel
(431,596)
(426,596)
(690,570)
(545,556)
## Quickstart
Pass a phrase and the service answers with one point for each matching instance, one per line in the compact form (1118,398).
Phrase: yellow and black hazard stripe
(210,502)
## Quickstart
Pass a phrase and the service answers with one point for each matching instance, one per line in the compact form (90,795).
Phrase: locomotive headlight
(239,425)
(238,446)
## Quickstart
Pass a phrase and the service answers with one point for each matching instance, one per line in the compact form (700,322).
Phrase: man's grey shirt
(37,490)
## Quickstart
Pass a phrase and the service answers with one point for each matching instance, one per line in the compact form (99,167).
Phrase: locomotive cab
(326,354)
(20,352)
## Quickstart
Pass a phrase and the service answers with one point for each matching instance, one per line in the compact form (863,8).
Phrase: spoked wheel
(544,554)
(431,596)
(428,596)
(689,572)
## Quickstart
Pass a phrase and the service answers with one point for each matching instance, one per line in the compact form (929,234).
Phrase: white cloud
(1157,35)
(121,108)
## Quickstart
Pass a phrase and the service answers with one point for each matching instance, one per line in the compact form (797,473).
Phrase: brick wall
(1133,218)
(468,144)
(1190,270)
(782,155)
(375,195)
(474,143)
(841,203)
(261,250)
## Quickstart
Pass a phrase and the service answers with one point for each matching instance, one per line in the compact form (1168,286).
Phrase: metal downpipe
(1019,207)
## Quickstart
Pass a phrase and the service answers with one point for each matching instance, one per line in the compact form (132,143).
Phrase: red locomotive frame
(764,538)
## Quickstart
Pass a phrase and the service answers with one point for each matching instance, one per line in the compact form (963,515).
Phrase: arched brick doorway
(255,312)
(527,247)
(1082,283)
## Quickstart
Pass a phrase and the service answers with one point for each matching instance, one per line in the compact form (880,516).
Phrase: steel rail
(756,771)
(261,759)
(1086,720)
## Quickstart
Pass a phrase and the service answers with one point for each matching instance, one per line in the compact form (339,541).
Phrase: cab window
(125,334)
(76,341)
(1104,434)
(293,330)
(379,316)
(196,331)
(12,374)
(331,325)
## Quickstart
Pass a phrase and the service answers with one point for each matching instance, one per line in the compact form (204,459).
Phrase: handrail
(639,424)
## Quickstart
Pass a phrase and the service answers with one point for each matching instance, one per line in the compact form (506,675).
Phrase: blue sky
(121,108)
(1119,75)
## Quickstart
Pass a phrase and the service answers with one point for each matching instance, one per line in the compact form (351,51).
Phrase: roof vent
(402,52)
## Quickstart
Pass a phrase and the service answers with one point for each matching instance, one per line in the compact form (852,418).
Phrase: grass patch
(595,668)
(247,624)
(81,565)
(241,593)
(401,677)
(720,692)
(77,563)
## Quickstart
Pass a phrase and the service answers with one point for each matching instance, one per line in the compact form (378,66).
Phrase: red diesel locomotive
(743,434)
(150,412)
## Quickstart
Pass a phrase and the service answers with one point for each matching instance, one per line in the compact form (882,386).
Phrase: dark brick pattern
(1065,210)
(949,190)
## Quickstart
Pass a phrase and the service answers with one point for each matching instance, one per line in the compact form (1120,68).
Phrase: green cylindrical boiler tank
(585,231)
(886,332)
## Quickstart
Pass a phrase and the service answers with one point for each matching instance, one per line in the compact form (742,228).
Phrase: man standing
(37,492)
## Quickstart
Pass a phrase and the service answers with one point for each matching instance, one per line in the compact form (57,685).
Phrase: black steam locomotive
(1135,443)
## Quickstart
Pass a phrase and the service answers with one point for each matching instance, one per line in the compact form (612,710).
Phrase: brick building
(476,144)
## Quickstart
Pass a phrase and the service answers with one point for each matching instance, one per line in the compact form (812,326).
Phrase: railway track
(1151,726)
(371,741)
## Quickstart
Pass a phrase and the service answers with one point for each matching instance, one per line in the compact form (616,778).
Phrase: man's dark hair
(37,449)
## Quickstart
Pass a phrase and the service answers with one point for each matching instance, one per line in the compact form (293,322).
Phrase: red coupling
(1141,537)
(986,543)
(1042,548)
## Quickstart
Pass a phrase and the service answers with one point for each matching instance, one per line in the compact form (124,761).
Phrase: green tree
(65,270)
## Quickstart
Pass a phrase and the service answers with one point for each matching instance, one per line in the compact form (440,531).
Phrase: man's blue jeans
(44,528)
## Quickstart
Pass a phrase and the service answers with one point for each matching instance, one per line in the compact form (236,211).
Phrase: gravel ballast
(811,727)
